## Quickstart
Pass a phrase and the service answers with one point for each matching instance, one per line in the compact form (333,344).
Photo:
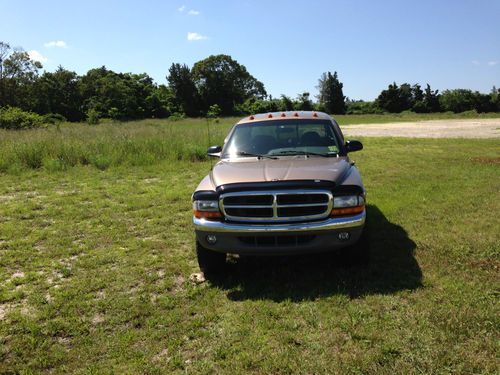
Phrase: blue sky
(285,44)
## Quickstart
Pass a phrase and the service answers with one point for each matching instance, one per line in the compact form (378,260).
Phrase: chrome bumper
(328,224)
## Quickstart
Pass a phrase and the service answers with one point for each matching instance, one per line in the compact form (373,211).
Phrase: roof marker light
(283,115)
(315,114)
(270,116)
(251,118)
(296,114)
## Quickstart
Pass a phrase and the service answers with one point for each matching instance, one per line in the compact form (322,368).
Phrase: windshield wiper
(306,153)
(259,156)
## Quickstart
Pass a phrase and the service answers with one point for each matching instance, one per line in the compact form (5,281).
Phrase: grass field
(95,260)
(141,143)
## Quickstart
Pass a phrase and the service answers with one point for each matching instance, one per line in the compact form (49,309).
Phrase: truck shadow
(392,268)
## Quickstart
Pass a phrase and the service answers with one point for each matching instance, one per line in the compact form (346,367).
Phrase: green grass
(95,267)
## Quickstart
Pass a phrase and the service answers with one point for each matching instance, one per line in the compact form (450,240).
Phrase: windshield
(283,137)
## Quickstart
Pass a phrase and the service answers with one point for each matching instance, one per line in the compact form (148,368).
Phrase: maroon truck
(284,184)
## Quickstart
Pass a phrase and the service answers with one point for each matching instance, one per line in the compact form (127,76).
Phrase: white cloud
(492,63)
(37,56)
(181,9)
(193,12)
(195,36)
(56,43)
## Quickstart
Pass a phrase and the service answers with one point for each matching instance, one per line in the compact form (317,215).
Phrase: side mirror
(352,146)
(214,151)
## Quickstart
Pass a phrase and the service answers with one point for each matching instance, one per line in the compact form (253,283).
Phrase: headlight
(348,205)
(348,201)
(206,209)
(206,205)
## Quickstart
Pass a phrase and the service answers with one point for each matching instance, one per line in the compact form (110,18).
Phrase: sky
(287,45)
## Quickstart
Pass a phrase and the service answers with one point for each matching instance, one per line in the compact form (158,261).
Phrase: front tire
(210,262)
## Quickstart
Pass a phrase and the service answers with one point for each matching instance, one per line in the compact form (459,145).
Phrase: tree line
(218,82)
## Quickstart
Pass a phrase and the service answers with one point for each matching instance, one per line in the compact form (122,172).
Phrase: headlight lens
(206,206)
(348,205)
(345,201)
(206,209)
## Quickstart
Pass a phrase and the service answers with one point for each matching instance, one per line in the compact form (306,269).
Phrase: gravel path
(477,128)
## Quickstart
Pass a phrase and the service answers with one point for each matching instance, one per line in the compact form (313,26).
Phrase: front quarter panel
(353,177)
(205,184)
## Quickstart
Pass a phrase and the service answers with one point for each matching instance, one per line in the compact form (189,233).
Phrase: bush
(16,119)
(361,107)
(176,116)
(54,118)
(93,116)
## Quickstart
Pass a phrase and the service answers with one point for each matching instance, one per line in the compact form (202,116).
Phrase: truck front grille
(276,206)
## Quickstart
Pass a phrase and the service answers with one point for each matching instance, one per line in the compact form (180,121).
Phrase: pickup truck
(284,184)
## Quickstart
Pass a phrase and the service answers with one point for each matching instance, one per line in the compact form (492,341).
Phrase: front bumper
(289,238)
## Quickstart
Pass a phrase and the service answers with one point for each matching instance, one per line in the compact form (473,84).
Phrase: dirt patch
(487,161)
(486,264)
(478,128)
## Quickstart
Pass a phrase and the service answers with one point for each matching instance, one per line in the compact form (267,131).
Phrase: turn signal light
(347,211)
(207,214)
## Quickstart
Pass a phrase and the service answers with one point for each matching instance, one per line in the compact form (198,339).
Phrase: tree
(19,73)
(182,85)
(331,98)
(161,102)
(117,95)
(4,52)
(397,99)
(303,102)
(431,100)
(286,103)
(495,99)
(458,100)
(223,81)
(58,92)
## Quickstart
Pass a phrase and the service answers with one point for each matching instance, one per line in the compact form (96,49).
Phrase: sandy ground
(477,128)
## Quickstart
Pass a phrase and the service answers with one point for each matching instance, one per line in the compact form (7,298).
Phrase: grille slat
(300,211)
(277,206)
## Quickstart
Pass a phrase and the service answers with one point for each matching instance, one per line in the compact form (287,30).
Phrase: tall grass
(110,144)
(140,143)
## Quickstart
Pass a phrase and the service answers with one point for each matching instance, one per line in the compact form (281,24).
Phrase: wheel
(210,261)
(359,253)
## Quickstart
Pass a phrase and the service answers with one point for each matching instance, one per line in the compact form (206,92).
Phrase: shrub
(92,116)
(361,107)
(176,116)
(53,118)
(214,111)
(101,162)
(54,165)
(16,119)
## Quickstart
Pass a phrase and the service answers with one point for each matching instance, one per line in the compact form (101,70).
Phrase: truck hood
(282,169)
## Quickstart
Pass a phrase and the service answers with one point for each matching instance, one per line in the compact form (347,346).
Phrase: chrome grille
(276,206)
